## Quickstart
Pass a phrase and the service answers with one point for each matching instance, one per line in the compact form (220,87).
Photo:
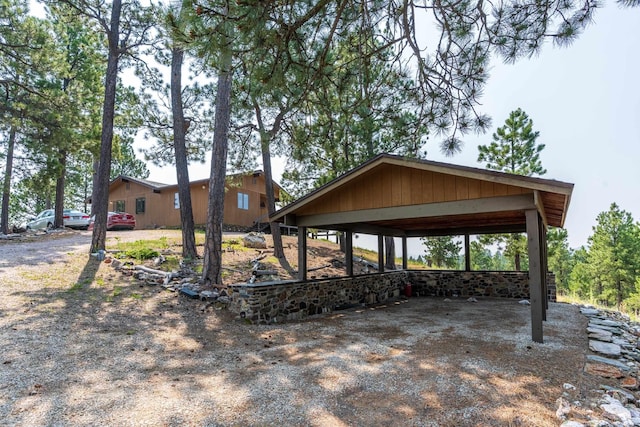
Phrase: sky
(585,102)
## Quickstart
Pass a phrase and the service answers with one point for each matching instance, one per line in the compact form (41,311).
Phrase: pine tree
(442,251)
(613,257)
(513,150)
(514,147)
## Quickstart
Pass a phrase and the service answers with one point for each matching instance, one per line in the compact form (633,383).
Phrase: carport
(403,197)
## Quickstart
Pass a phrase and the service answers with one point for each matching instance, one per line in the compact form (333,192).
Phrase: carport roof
(399,196)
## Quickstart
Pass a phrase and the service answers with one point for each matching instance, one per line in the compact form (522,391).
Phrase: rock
(568,386)
(600,334)
(571,424)
(623,396)
(524,302)
(615,411)
(630,383)
(606,322)
(472,299)
(590,311)
(606,348)
(602,370)
(564,408)
(254,240)
(613,362)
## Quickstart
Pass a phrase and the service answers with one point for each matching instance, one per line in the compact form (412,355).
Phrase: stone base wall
(280,301)
(496,284)
(272,302)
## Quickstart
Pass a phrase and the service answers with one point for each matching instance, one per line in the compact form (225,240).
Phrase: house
(158,205)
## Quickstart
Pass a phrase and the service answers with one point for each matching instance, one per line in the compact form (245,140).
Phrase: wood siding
(161,212)
(389,186)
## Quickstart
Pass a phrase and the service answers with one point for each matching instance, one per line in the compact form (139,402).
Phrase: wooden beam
(348,253)
(405,264)
(461,231)
(461,207)
(302,253)
(535,276)
(467,253)
(380,253)
(537,199)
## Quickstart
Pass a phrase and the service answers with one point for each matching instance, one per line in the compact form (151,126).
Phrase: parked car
(70,218)
(117,221)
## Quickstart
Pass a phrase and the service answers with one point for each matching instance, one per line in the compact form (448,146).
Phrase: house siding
(160,210)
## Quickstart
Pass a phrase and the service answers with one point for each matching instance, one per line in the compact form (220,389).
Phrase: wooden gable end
(389,185)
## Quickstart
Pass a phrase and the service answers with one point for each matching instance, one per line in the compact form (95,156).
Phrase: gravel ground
(82,345)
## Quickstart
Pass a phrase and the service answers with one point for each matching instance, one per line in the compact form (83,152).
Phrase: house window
(140,202)
(119,205)
(176,201)
(243,201)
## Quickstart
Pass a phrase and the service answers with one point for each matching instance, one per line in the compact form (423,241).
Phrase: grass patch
(161,243)
(141,254)
(233,245)
(76,287)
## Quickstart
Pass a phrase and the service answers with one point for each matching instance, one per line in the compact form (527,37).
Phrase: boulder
(254,240)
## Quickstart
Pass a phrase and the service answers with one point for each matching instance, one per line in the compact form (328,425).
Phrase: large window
(118,205)
(243,201)
(140,205)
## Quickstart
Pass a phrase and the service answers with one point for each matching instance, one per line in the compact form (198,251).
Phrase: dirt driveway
(98,349)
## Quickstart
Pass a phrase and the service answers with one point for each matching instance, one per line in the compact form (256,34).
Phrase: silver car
(71,219)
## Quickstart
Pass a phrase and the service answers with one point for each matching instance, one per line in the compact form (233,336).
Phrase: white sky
(585,102)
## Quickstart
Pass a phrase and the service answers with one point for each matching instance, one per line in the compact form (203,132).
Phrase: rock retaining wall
(272,302)
(280,301)
(497,284)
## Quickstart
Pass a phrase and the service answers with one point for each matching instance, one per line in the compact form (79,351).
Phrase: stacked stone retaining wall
(280,301)
(496,284)
(273,302)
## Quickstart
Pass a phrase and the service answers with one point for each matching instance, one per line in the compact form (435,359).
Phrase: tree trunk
(212,268)
(179,145)
(278,250)
(58,220)
(100,203)
(390,253)
(6,188)
(94,181)
(265,145)
(516,262)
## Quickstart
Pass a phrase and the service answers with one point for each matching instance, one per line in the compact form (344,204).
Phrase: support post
(535,277)
(348,253)
(405,264)
(467,254)
(380,253)
(545,265)
(302,253)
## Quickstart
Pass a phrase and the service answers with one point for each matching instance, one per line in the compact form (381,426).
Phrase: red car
(117,221)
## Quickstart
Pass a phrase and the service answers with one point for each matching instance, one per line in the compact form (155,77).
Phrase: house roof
(158,186)
(476,201)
